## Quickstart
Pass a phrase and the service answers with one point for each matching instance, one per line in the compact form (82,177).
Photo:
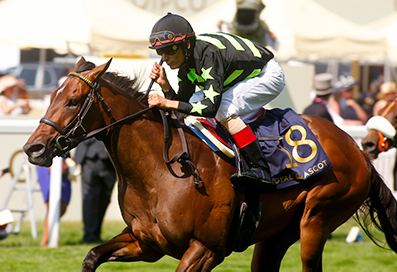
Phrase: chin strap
(187,51)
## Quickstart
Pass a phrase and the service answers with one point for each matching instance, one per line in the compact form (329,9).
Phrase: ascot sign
(182,7)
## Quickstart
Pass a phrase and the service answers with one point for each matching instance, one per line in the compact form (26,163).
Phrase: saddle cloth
(292,151)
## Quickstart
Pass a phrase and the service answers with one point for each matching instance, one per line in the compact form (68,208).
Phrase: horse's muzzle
(370,147)
(37,155)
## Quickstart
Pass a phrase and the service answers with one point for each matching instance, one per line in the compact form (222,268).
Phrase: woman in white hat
(388,90)
(9,104)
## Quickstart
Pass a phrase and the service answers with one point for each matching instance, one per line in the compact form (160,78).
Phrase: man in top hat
(323,89)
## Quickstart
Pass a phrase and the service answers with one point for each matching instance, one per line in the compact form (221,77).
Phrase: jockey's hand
(157,100)
(159,75)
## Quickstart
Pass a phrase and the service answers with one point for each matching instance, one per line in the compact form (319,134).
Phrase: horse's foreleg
(268,254)
(124,248)
(313,239)
(198,258)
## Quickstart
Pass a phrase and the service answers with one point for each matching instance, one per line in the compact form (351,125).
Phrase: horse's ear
(98,71)
(81,61)
(105,68)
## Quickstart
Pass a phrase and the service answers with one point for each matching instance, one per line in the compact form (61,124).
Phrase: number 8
(302,141)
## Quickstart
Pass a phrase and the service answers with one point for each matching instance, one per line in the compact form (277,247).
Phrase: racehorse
(169,212)
(382,130)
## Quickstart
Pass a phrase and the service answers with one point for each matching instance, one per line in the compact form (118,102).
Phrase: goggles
(169,50)
(164,37)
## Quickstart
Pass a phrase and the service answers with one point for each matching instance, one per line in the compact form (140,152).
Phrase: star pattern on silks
(210,94)
(192,76)
(198,107)
(205,73)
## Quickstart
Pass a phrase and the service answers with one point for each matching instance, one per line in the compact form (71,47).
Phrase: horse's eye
(73,102)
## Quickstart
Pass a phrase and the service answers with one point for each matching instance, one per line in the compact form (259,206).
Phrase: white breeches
(247,97)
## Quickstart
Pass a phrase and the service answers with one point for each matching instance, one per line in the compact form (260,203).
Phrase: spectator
(388,91)
(323,89)
(344,105)
(98,177)
(367,99)
(9,104)
(44,177)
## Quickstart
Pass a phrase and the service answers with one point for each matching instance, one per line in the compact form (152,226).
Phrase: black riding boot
(259,174)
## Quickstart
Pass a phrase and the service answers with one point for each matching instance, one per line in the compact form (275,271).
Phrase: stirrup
(257,177)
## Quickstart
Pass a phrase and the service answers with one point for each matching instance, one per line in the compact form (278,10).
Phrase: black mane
(129,85)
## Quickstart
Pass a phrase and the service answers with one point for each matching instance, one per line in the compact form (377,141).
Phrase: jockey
(236,78)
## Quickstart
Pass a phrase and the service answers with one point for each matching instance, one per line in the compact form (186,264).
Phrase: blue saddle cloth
(297,154)
(289,146)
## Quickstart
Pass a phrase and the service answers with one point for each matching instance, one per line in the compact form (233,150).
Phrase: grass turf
(20,252)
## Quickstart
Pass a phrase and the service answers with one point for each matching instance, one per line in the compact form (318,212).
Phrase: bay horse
(168,213)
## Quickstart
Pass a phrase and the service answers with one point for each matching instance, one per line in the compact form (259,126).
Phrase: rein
(65,143)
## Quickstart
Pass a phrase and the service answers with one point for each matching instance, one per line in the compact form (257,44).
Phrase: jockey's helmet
(170,30)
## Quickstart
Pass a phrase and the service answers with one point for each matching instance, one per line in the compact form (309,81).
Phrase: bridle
(385,129)
(65,142)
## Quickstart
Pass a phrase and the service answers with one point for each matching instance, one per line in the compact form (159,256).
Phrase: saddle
(292,151)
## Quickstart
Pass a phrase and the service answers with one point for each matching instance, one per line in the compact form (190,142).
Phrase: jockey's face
(174,59)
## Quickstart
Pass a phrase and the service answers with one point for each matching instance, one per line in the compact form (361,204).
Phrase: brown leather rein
(384,142)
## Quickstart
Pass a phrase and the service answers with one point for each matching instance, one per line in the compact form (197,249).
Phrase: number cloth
(298,155)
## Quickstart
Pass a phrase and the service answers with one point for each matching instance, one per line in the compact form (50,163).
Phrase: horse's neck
(135,146)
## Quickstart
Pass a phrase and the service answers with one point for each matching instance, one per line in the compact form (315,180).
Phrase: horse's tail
(380,209)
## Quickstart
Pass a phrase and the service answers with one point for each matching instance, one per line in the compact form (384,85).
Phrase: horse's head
(382,130)
(74,110)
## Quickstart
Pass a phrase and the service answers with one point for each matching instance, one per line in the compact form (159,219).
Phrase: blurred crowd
(341,104)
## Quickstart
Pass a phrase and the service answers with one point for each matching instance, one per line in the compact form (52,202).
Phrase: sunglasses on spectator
(169,50)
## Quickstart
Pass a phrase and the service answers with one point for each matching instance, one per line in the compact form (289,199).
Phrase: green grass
(20,252)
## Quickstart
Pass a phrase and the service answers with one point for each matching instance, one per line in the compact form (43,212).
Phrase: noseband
(385,129)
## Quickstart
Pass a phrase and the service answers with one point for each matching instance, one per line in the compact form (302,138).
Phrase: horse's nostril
(368,144)
(34,150)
